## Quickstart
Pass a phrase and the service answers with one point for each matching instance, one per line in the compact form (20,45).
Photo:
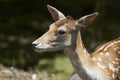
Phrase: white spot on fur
(111,67)
(101,53)
(116,59)
(113,76)
(99,59)
(107,53)
(113,62)
(118,41)
(115,48)
(101,66)
(94,58)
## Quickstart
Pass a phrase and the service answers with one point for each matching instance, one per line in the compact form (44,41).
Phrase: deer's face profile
(57,37)
(61,32)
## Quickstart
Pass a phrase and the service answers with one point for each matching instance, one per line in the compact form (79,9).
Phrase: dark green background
(23,21)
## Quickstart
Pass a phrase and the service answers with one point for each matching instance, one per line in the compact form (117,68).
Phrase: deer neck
(79,56)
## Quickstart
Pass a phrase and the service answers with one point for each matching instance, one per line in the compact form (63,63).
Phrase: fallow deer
(64,33)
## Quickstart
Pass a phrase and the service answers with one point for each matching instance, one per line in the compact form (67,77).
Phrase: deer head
(60,32)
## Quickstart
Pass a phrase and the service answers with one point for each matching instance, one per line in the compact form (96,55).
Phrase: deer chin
(47,48)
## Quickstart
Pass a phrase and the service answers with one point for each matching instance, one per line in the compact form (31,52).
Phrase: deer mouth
(40,48)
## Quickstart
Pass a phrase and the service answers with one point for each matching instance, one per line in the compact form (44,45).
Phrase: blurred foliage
(23,21)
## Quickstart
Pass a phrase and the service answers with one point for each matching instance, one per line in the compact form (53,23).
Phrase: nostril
(34,44)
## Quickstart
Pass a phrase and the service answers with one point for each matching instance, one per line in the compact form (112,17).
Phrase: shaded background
(23,21)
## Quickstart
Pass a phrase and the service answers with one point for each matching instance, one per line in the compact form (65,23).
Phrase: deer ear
(86,20)
(56,14)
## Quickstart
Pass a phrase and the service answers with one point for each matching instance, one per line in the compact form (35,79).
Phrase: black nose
(34,44)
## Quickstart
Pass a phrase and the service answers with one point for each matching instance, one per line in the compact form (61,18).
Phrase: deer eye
(61,32)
